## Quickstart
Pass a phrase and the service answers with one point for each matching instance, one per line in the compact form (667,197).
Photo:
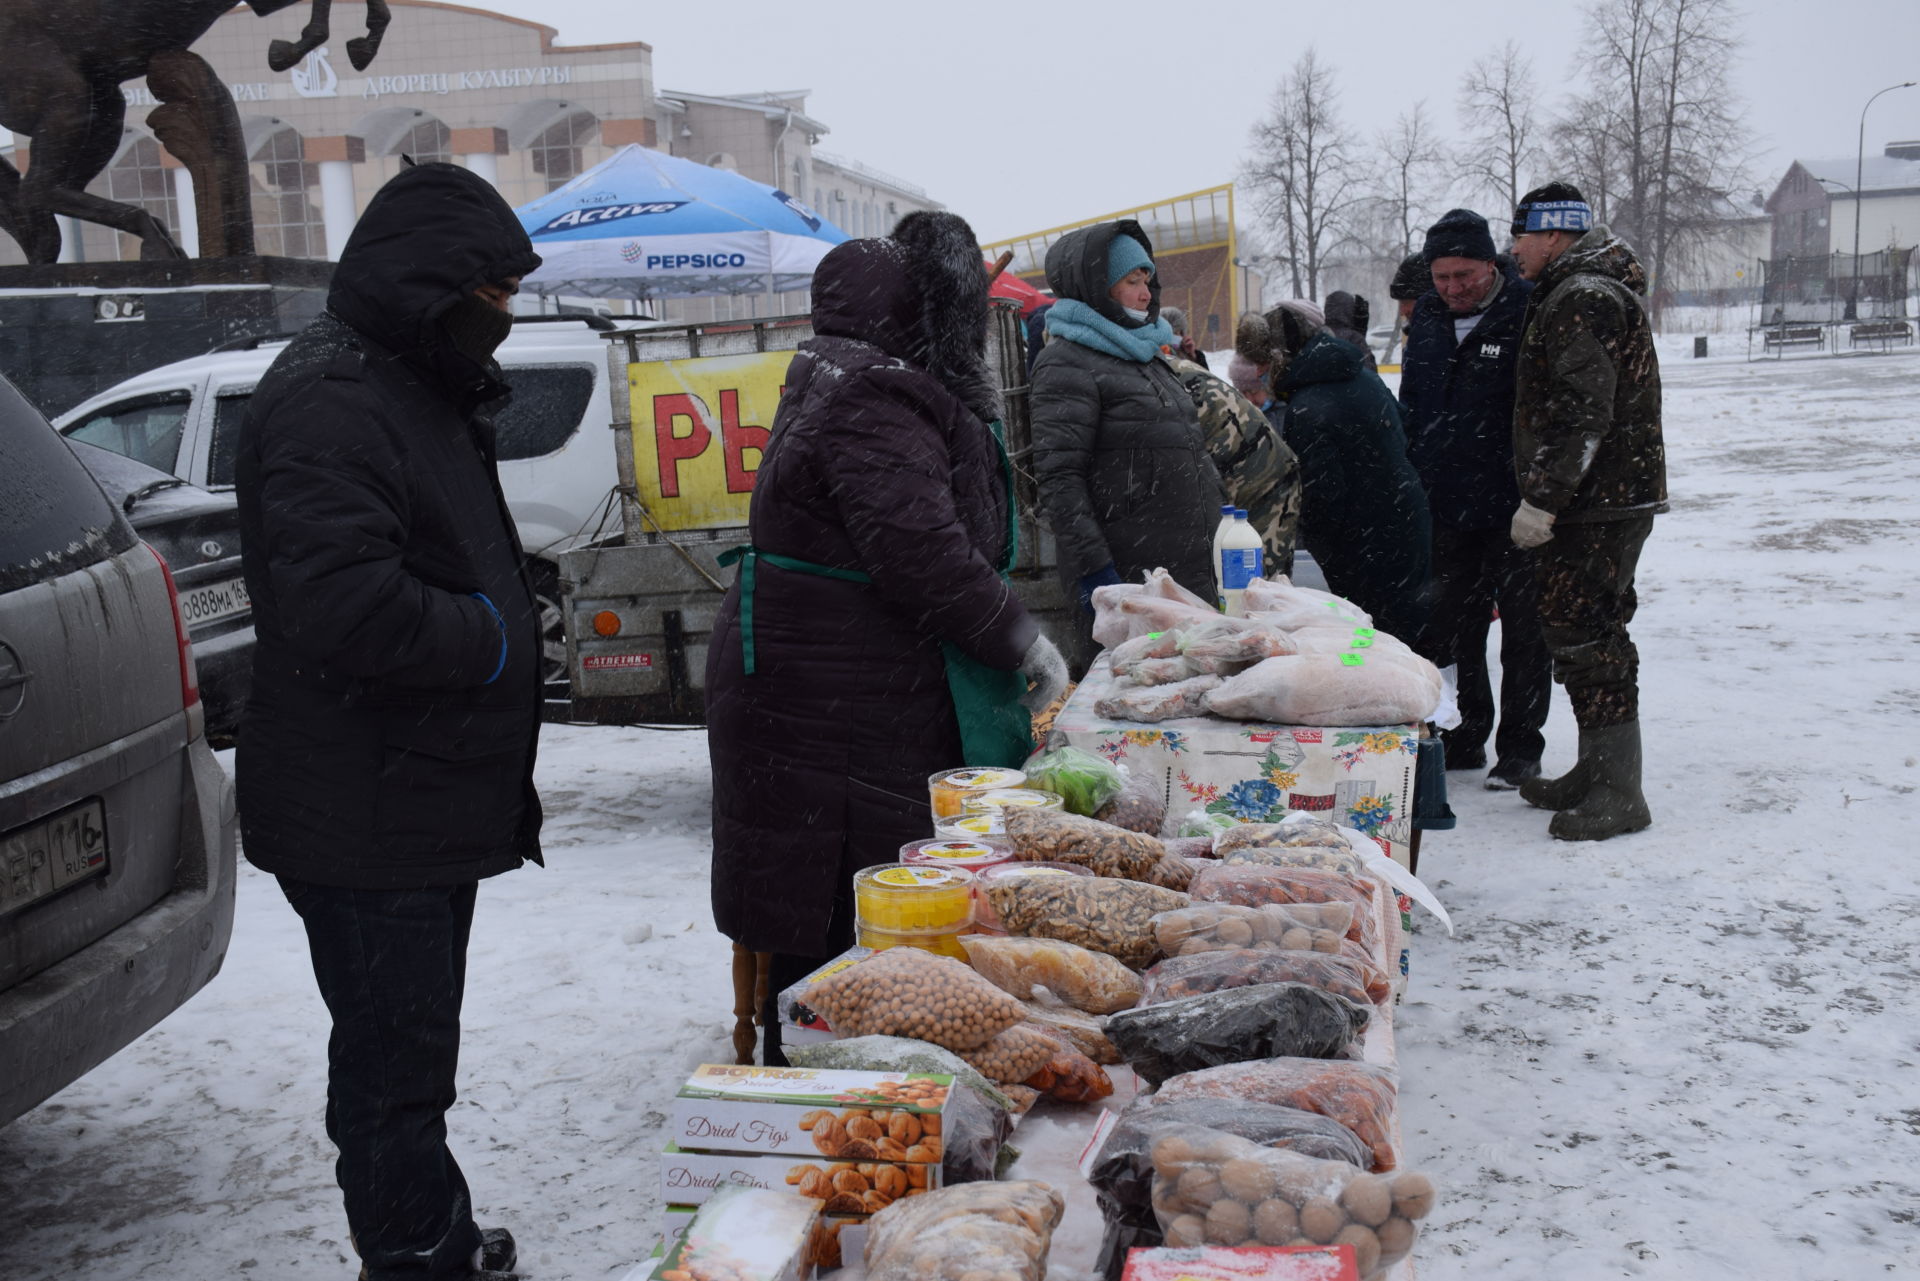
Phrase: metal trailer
(639,606)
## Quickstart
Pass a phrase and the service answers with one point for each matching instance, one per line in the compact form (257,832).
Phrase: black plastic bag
(1265,1021)
(1123,1173)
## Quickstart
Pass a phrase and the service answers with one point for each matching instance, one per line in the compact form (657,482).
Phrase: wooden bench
(1885,333)
(1794,336)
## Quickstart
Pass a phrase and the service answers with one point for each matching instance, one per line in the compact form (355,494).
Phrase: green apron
(994,728)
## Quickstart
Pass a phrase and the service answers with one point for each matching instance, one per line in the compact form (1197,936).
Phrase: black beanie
(1411,279)
(1460,233)
(1559,195)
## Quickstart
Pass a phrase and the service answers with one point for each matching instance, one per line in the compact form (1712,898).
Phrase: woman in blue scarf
(1122,464)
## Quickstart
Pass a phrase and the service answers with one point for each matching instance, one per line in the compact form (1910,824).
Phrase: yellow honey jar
(944,943)
(907,898)
(972,827)
(1002,798)
(971,854)
(949,788)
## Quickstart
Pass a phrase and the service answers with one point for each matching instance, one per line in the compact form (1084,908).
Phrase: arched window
(286,219)
(556,152)
(137,177)
(428,140)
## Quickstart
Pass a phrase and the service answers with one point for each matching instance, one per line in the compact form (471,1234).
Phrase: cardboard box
(745,1234)
(838,1239)
(846,1187)
(847,1116)
(1250,1263)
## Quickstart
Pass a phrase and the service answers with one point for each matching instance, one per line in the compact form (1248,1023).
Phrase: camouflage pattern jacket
(1586,418)
(1260,472)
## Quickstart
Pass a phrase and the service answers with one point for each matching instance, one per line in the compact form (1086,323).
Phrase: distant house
(1813,207)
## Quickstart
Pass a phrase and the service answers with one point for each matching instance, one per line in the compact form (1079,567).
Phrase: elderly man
(1591,467)
(1456,395)
(386,756)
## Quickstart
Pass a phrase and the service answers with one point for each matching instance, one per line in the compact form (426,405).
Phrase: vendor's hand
(1046,671)
(1105,576)
(1531,526)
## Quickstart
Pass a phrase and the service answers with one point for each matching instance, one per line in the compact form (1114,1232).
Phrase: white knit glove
(1531,525)
(1043,666)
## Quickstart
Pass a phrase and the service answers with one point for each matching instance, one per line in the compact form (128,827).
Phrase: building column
(480,150)
(335,157)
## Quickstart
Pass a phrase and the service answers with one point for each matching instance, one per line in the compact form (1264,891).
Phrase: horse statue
(62,63)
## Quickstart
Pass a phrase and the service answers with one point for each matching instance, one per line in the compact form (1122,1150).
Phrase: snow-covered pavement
(1689,1053)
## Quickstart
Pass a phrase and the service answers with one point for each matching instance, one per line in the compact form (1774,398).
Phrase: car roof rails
(591,319)
(253,342)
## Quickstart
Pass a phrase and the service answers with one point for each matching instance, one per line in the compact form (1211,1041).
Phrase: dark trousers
(1586,601)
(1476,571)
(392,967)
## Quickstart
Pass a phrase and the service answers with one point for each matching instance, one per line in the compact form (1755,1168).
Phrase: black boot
(1510,774)
(1569,789)
(1613,804)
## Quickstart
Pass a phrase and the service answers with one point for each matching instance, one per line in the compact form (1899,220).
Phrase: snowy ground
(1688,1053)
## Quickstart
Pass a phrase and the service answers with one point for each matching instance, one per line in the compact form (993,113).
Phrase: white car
(554,438)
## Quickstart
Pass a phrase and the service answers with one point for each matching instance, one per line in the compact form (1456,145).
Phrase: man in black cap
(1456,395)
(1591,467)
(386,755)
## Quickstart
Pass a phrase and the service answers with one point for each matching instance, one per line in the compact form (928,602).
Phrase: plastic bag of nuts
(1325,857)
(1213,927)
(1141,805)
(1211,1188)
(1266,1020)
(1085,979)
(1054,836)
(976,1232)
(1103,913)
(1257,886)
(1069,1075)
(1086,1032)
(1178,977)
(904,991)
(1359,1096)
(1012,1056)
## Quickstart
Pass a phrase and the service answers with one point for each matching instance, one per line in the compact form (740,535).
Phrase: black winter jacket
(821,757)
(1117,446)
(1456,399)
(1363,514)
(389,740)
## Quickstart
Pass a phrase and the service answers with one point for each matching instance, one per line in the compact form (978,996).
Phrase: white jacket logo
(315,78)
(1490,349)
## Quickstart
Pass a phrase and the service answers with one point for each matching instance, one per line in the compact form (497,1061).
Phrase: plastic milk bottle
(1238,559)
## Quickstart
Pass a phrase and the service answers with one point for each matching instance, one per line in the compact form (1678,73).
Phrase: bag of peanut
(1085,979)
(904,991)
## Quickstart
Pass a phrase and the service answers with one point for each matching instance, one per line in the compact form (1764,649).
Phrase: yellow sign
(700,429)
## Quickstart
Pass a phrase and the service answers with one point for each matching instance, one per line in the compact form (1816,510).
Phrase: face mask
(1134,313)
(476,327)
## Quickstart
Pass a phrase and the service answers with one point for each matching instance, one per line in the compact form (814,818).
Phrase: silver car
(117,825)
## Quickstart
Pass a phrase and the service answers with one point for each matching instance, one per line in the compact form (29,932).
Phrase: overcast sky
(1024,114)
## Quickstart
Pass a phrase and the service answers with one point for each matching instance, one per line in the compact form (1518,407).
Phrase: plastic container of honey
(975,855)
(907,898)
(1001,798)
(985,919)
(971,827)
(950,787)
(942,943)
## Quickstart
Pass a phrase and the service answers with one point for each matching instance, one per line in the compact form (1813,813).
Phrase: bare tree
(1303,170)
(1499,104)
(1412,173)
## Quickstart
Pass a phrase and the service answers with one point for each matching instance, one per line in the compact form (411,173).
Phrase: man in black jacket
(1456,394)
(386,756)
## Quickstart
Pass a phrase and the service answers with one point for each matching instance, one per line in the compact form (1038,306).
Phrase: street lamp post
(1859,166)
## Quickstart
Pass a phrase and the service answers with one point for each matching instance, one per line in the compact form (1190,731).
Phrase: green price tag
(1353,660)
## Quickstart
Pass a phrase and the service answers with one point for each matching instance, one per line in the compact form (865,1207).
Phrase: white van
(554,438)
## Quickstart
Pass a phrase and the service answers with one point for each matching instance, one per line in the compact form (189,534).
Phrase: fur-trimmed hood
(920,295)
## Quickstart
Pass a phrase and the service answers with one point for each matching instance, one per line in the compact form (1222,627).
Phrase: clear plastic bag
(1191,848)
(1068,1074)
(1359,1096)
(1294,830)
(1201,972)
(1083,781)
(1278,601)
(1141,648)
(1087,1032)
(1201,823)
(904,991)
(1111,627)
(1323,857)
(1264,1021)
(1170,873)
(1051,836)
(1140,806)
(976,1232)
(1214,1187)
(1251,886)
(1331,689)
(1157,702)
(1162,671)
(1103,913)
(1077,976)
(1228,645)
(1217,927)
(1013,1055)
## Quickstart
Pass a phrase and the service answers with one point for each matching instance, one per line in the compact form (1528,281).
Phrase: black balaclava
(476,328)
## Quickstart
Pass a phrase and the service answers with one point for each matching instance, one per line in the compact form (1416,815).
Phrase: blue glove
(1105,576)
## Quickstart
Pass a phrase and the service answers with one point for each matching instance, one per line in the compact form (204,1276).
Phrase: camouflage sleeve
(1280,531)
(1066,420)
(1582,338)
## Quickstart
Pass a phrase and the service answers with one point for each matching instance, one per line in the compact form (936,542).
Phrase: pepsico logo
(631,251)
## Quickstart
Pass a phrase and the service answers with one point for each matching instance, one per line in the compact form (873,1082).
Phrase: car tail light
(606,623)
(189,674)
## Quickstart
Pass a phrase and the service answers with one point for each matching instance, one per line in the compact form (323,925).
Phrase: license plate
(215,601)
(41,859)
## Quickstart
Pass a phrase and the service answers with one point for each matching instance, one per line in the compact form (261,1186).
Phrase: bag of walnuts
(1103,913)
(1085,979)
(1220,1189)
(1054,836)
(904,991)
(997,1231)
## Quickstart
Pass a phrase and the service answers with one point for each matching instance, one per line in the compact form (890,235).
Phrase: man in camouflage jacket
(1260,472)
(1591,469)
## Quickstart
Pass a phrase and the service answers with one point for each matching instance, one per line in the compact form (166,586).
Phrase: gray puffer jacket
(1117,447)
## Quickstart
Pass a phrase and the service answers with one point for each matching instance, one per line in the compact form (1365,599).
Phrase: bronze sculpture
(61,66)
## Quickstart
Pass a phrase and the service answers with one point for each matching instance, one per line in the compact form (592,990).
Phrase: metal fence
(1835,287)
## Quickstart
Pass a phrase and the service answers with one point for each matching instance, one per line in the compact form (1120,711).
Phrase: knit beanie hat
(1412,279)
(1124,253)
(1245,375)
(1558,206)
(1460,233)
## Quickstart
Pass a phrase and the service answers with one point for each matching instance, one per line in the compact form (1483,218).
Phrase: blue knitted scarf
(1075,321)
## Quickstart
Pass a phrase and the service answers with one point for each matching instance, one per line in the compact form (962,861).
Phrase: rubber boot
(1569,789)
(1613,804)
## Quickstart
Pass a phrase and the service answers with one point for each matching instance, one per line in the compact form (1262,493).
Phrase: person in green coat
(1363,514)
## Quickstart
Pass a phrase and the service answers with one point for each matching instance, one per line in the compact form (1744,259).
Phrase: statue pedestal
(72,329)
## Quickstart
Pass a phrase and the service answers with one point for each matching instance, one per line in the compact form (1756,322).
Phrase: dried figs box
(846,1187)
(1250,1263)
(816,1112)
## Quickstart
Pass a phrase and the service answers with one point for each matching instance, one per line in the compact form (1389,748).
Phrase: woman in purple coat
(847,662)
